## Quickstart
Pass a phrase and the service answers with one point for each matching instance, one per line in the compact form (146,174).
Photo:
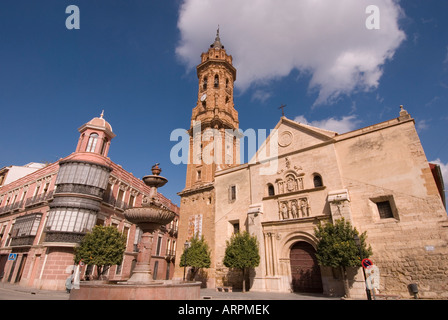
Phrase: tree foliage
(242,253)
(337,246)
(196,256)
(103,247)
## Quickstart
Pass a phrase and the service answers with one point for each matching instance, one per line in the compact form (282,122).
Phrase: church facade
(377,177)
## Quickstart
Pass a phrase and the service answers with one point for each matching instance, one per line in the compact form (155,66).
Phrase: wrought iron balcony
(39,199)
(22,241)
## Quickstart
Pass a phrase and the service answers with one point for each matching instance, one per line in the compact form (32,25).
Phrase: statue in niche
(294,211)
(304,207)
(284,210)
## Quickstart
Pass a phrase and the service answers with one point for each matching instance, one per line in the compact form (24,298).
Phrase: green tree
(242,253)
(102,247)
(197,256)
(337,247)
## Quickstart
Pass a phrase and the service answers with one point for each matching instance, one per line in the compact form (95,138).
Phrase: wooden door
(305,271)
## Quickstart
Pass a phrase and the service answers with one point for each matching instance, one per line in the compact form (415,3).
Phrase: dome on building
(100,122)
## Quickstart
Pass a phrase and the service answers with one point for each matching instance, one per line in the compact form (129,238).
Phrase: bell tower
(214,122)
(214,145)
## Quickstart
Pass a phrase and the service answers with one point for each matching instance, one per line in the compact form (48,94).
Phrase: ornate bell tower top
(216,53)
(216,75)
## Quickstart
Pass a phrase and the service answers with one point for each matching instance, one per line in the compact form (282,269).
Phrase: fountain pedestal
(142,272)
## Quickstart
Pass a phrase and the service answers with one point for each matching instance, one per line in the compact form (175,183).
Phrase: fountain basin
(149,218)
(154,181)
(160,290)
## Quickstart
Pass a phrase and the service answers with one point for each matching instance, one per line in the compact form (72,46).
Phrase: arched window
(92,142)
(227,83)
(271,191)
(103,147)
(317,181)
(204,85)
(216,81)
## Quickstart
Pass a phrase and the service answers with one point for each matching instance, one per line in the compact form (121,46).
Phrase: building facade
(377,177)
(45,214)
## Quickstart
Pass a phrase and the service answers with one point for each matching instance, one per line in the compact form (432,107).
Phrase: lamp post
(186,246)
(358,244)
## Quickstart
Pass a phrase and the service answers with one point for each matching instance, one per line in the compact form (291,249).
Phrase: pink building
(46,213)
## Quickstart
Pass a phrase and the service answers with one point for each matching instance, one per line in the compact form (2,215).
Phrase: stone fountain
(150,217)
(141,286)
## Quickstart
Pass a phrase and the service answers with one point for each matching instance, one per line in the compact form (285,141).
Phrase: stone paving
(15,292)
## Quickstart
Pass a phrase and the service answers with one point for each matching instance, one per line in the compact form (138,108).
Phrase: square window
(385,209)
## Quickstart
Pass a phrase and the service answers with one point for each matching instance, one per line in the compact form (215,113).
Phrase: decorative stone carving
(285,139)
(295,208)
(291,183)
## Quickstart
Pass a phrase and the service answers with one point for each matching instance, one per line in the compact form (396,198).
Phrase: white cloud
(444,169)
(327,40)
(261,95)
(345,124)
(422,125)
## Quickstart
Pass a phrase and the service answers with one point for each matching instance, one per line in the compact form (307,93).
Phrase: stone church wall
(411,247)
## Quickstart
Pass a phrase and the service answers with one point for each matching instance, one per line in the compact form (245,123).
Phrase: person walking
(69,283)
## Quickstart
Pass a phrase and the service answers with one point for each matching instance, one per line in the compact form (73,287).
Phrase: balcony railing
(80,189)
(36,200)
(22,241)
(39,199)
(170,254)
(118,204)
(172,230)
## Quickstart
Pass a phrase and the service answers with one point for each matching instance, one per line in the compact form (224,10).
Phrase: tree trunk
(345,280)
(194,272)
(244,280)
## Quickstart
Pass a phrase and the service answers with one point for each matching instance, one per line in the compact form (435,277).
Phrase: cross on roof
(283,111)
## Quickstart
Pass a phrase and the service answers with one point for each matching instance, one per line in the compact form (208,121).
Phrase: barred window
(232,193)
(26,225)
(384,209)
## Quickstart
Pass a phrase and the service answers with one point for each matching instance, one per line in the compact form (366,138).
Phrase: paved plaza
(15,292)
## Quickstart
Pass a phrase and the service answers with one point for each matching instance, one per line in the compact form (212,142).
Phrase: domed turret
(95,136)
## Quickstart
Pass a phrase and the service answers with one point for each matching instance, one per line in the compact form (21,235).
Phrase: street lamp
(186,246)
(358,244)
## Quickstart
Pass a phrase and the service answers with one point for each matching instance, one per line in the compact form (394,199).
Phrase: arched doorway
(305,271)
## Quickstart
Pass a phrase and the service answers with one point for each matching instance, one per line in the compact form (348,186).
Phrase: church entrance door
(305,270)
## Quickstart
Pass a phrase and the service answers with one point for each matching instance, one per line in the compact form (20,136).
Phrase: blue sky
(135,60)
